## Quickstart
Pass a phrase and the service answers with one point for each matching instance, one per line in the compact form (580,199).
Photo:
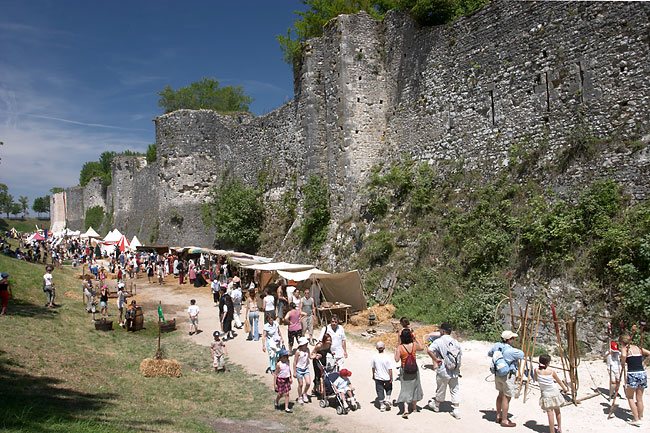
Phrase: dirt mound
(160,367)
(390,338)
(72,295)
(383,313)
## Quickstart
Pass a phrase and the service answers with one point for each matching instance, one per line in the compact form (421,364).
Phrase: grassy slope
(26,225)
(58,374)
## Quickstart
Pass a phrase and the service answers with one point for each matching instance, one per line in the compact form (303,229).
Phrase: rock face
(515,74)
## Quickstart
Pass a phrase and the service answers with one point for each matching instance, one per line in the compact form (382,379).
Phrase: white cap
(507,335)
(380,345)
(302,341)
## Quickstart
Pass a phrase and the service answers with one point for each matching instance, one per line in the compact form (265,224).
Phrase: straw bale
(383,313)
(390,338)
(160,367)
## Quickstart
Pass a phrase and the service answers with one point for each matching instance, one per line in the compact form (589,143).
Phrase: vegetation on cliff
(236,213)
(205,94)
(453,241)
(319,12)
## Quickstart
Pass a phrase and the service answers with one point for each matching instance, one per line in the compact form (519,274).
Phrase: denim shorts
(637,380)
(302,372)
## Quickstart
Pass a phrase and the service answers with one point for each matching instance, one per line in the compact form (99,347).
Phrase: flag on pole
(160,313)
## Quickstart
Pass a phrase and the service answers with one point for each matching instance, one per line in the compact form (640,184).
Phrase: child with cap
(219,352)
(301,369)
(613,361)
(282,379)
(382,373)
(343,388)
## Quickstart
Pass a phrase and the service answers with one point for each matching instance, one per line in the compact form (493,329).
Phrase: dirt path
(477,387)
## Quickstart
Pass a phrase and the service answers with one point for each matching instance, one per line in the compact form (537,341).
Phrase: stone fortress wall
(368,92)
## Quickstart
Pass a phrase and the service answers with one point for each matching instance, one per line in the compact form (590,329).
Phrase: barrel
(138,322)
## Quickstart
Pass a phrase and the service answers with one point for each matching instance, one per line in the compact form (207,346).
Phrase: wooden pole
(559,341)
(524,345)
(532,350)
(512,319)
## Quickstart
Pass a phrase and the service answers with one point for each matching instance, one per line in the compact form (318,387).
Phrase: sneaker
(455,413)
(287,410)
(434,406)
(305,398)
(636,423)
(300,400)
(387,404)
(276,405)
(382,407)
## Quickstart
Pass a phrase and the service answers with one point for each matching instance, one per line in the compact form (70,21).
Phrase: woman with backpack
(411,388)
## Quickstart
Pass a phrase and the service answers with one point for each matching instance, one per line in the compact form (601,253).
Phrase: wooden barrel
(138,323)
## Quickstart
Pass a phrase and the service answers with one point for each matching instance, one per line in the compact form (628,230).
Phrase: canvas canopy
(123,243)
(90,233)
(345,287)
(279,266)
(135,242)
(113,236)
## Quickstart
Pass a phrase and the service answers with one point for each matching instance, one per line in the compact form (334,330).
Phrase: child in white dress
(551,399)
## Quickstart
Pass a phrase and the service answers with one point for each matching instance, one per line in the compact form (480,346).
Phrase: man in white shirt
(382,373)
(339,349)
(438,350)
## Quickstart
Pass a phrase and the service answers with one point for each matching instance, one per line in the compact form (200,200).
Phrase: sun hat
(345,373)
(380,345)
(292,283)
(507,335)
(283,352)
(302,341)
(4,275)
(613,345)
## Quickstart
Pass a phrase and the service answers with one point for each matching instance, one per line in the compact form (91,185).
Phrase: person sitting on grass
(219,353)
(193,312)
(282,379)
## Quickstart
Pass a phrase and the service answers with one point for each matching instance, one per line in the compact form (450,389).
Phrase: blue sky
(78,78)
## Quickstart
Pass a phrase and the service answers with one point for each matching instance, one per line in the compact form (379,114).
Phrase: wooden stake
(532,350)
(512,319)
(559,342)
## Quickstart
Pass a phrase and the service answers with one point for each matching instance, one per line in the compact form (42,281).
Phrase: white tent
(135,242)
(345,287)
(90,233)
(113,236)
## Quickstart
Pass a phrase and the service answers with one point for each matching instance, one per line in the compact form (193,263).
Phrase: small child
(382,373)
(613,360)
(282,379)
(120,274)
(551,399)
(193,312)
(343,388)
(219,353)
(301,369)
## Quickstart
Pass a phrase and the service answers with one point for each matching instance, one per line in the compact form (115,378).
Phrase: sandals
(405,415)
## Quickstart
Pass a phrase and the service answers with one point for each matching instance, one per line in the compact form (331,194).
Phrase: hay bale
(390,338)
(383,313)
(160,367)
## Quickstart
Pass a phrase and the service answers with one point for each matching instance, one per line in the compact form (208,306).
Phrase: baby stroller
(329,397)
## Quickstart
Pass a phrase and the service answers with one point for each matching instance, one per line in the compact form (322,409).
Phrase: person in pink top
(293,318)
(282,376)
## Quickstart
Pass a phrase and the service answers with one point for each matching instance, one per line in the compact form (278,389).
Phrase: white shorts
(506,384)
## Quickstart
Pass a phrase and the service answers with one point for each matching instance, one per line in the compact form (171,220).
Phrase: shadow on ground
(31,403)
(18,307)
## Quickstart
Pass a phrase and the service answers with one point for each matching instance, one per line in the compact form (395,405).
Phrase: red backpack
(410,365)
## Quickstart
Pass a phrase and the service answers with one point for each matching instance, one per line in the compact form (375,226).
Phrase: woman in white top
(269,303)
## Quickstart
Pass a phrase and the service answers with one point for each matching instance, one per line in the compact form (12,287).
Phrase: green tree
(7,204)
(4,196)
(41,205)
(89,171)
(56,189)
(316,215)
(319,12)
(24,205)
(152,153)
(205,94)
(236,213)
(16,208)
